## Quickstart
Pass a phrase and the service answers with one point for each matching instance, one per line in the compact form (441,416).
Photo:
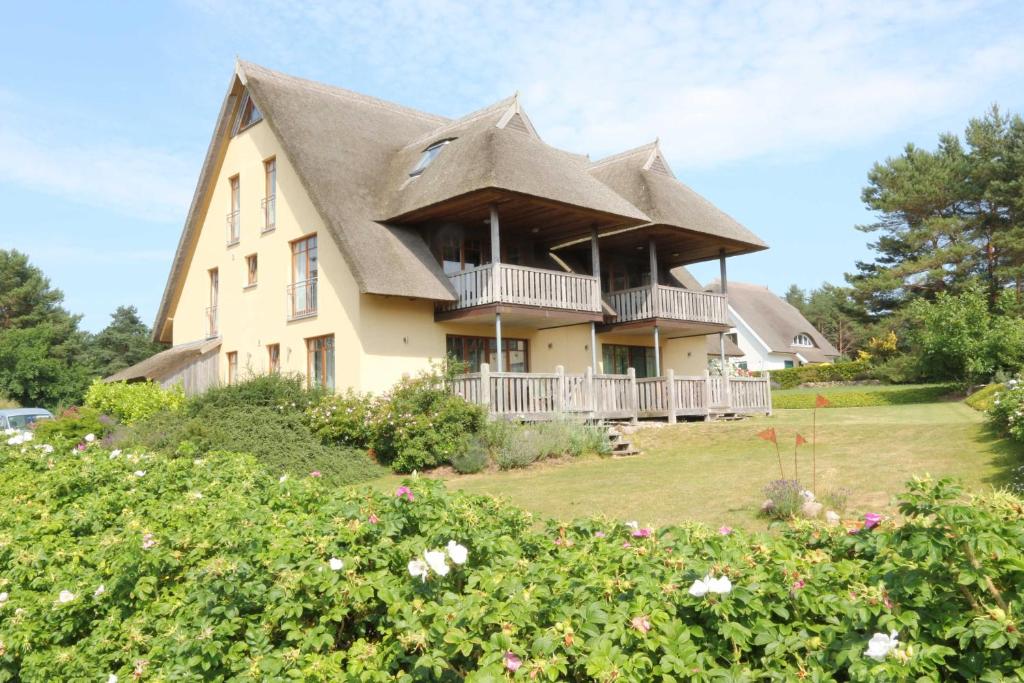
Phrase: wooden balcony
(546,396)
(671,304)
(515,290)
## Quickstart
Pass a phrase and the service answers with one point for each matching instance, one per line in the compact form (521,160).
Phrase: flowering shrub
(73,425)
(783,499)
(343,419)
(1007,411)
(135,401)
(211,569)
(420,424)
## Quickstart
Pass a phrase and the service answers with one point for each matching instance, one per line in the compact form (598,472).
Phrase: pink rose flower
(725,530)
(512,662)
(642,624)
(374,518)
(405,492)
(315,473)
(871,520)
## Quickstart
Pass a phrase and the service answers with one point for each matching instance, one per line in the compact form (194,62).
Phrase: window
(320,362)
(273,358)
(742,365)
(211,310)
(734,337)
(234,223)
(429,154)
(251,270)
(248,115)
(476,350)
(787,364)
(232,367)
(269,194)
(302,291)
(803,339)
(618,358)
(459,254)
(617,276)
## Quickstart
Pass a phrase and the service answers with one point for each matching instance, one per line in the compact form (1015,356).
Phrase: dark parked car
(22,418)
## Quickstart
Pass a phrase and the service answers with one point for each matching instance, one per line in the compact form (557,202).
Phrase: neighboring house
(353,240)
(770,333)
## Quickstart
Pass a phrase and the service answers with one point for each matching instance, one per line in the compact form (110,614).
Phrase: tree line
(46,359)
(947,243)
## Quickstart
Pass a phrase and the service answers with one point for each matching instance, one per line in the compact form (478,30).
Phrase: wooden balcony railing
(672,303)
(234,228)
(301,300)
(510,284)
(269,207)
(551,395)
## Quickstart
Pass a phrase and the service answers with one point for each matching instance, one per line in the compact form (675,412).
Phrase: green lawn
(714,472)
(855,388)
(863,396)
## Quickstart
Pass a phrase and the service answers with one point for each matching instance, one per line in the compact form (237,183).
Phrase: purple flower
(626,545)
(641,533)
(725,530)
(871,520)
(512,662)
(406,492)
(599,534)
(798,584)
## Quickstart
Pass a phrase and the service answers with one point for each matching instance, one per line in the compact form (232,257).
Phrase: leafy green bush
(73,425)
(841,371)
(280,440)
(133,402)
(209,569)
(472,458)
(983,398)
(343,419)
(281,391)
(903,369)
(519,445)
(8,403)
(420,424)
(1007,411)
(865,398)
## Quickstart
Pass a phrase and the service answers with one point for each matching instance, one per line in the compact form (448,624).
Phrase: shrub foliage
(133,402)
(842,371)
(208,568)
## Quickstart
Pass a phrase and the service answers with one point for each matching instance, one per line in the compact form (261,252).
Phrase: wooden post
(768,390)
(485,387)
(633,396)
(652,251)
(496,281)
(560,386)
(670,396)
(726,389)
(593,345)
(707,394)
(595,270)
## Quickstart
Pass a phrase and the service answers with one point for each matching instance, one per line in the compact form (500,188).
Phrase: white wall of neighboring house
(756,353)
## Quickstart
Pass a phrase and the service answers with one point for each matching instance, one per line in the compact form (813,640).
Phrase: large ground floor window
(618,358)
(476,350)
(320,361)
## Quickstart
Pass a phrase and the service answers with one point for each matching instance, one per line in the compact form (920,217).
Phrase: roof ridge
(618,156)
(242,67)
(451,124)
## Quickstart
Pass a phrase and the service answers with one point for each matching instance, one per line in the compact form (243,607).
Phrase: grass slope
(861,396)
(714,472)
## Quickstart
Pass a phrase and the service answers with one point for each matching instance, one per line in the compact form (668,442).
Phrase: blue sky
(775,111)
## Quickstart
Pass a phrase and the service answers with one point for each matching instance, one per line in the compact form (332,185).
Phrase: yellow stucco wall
(377,339)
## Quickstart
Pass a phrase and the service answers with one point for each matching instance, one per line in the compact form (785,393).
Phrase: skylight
(429,154)
(248,115)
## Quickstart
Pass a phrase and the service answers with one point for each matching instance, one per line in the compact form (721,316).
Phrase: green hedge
(843,371)
(131,402)
(866,398)
(983,398)
(153,568)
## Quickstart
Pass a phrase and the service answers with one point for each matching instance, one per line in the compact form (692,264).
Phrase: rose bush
(211,568)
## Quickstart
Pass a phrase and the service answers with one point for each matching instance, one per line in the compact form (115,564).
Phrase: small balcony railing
(234,228)
(269,207)
(302,299)
(504,283)
(211,322)
(671,303)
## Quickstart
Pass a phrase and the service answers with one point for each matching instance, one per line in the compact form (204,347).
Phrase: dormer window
(803,339)
(429,154)
(248,115)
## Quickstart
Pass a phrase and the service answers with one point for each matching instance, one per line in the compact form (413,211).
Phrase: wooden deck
(546,396)
(503,283)
(672,303)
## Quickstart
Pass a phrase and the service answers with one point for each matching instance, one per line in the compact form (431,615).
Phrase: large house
(354,240)
(770,333)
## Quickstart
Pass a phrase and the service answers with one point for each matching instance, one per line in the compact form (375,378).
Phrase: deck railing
(234,229)
(673,303)
(269,207)
(545,396)
(504,283)
(301,299)
(212,330)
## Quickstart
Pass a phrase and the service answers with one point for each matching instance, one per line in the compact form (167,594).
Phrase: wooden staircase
(622,445)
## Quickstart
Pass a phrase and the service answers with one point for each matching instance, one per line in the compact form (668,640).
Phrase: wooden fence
(545,396)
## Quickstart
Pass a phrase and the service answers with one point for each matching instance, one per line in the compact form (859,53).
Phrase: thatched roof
(162,365)
(776,321)
(731,350)
(643,177)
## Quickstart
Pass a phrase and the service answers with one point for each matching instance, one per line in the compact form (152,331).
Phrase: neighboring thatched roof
(685,278)
(485,154)
(776,321)
(643,177)
(162,365)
